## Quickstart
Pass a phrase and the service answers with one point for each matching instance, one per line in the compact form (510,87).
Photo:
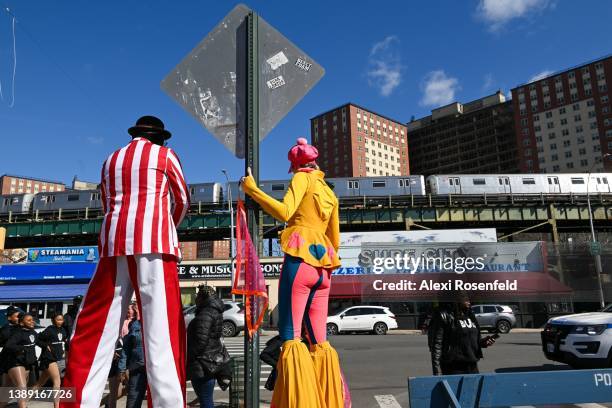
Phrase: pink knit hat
(301,154)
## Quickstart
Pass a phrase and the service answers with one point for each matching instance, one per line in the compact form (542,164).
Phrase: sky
(77,74)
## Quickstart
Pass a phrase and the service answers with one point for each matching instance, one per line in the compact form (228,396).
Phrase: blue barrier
(508,389)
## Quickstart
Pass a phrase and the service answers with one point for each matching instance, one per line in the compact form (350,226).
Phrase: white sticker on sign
(278,60)
(301,64)
(276,82)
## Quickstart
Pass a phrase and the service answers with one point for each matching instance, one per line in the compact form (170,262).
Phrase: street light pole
(232,251)
(595,251)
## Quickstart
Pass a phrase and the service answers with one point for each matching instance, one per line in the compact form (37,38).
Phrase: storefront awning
(30,293)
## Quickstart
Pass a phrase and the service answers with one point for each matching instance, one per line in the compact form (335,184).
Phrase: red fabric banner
(249,278)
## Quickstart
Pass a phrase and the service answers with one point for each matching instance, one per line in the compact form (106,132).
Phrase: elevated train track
(508,213)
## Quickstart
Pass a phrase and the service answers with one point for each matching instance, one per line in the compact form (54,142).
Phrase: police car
(581,340)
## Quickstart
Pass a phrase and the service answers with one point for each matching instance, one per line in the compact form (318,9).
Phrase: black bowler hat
(149,125)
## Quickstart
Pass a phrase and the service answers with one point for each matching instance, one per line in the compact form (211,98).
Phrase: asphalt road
(377,367)
(380,365)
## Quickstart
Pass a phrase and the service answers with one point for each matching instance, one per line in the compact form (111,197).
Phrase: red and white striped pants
(154,279)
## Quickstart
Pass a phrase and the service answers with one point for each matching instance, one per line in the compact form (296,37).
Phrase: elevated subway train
(212,195)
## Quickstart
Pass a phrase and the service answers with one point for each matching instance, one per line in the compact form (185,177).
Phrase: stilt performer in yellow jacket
(306,378)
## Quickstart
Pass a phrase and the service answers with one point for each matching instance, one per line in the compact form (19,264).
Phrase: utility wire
(53,61)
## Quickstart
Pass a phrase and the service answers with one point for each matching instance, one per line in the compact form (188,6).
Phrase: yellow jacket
(310,209)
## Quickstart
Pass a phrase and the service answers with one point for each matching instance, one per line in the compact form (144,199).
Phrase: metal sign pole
(251,343)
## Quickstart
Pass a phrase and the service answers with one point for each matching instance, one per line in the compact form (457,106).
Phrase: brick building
(356,142)
(213,249)
(564,121)
(475,137)
(11,184)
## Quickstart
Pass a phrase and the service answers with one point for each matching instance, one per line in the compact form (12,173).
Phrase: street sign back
(210,82)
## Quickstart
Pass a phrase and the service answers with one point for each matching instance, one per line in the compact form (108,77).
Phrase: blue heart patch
(317,250)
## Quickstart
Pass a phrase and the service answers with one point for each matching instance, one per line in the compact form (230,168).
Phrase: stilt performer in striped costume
(144,198)
(306,378)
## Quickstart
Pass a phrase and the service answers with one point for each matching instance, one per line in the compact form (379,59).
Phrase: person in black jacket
(70,317)
(53,343)
(454,338)
(204,344)
(270,355)
(12,315)
(21,353)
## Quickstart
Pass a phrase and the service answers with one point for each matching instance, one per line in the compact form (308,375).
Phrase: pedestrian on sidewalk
(454,339)
(70,317)
(13,315)
(52,342)
(21,354)
(132,364)
(206,354)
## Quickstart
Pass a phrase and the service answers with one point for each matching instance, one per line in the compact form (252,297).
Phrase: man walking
(144,198)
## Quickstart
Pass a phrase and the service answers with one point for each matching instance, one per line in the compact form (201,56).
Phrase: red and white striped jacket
(144,197)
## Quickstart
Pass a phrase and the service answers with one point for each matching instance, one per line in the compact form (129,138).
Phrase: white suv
(581,340)
(374,319)
(233,317)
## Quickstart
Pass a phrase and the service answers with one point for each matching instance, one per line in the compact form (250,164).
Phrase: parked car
(582,340)
(373,319)
(498,318)
(233,317)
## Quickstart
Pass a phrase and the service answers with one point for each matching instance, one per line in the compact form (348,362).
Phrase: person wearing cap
(310,243)
(144,199)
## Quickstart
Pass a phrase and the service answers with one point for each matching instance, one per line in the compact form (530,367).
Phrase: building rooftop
(32,178)
(457,108)
(584,64)
(399,122)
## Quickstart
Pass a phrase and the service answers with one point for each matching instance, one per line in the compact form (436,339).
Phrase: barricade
(511,389)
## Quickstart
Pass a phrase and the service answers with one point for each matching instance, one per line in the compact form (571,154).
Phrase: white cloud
(540,75)
(439,89)
(489,81)
(95,140)
(385,68)
(498,12)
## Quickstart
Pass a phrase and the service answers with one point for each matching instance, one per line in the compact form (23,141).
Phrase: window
(563,121)
(579,129)
(553,146)
(95,196)
(552,135)
(582,152)
(577,118)
(489,309)
(561,111)
(554,157)
(605,99)
(594,125)
(529,181)
(353,184)
(479,181)
(566,143)
(379,183)
(278,187)
(548,115)
(570,165)
(584,163)
(568,155)
(576,106)
(565,132)
(535,118)
(550,125)
(577,180)
(571,74)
